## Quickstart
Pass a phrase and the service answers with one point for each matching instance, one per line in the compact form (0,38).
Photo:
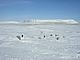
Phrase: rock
(18,37)
(56,35)
(57,38)
(39,37)
(51,35)
(44,36)
(21,35)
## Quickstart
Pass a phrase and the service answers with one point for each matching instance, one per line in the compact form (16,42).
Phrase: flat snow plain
(34,46)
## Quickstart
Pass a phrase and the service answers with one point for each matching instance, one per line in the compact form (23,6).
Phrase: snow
(65,21)
(35,47)
(37,21)
(4,22)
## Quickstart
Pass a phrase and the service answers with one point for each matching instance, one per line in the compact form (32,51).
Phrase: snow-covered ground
(40,42)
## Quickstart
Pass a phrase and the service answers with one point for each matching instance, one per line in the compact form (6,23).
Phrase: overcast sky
(40,9)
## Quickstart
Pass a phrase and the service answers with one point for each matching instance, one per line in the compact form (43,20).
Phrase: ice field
(40,42)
